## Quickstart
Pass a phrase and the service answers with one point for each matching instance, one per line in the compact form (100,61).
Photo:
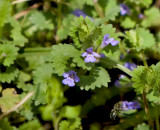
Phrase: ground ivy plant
(73,65)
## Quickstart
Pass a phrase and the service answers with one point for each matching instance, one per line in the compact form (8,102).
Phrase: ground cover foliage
(79,64)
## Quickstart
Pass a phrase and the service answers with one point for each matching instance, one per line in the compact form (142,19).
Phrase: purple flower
(125,105)
(141,16)
(90,56)
(79,12)
(102,55)
(107,40)
(70,78)
(130,65)
(117,83)
(124,9)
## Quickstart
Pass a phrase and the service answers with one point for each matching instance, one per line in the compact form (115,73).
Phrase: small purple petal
(84,54)
(96,55)
(65,75)
(107,40)
(90,58)
(130,65)
(102,55)
(69,82)
(124,9)
(89,50)
(113,43)
(76,78)
(117,84)
(106,36)
(79,13)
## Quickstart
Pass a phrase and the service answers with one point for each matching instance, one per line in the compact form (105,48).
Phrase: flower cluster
(107,40)
(124,9)
(125,105)
(70,78)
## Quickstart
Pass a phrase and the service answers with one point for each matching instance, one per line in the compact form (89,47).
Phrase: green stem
(98,8)
(99,49)
(150,121)
(38,49)
(59,14)
(144,59)
(122,49)
(124,69)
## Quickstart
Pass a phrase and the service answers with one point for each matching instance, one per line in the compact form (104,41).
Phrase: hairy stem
(98,8)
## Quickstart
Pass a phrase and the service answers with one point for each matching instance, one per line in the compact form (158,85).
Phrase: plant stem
(59,14)
(150,121)
(38,49)
(144,59)
(98,8)
(124,69)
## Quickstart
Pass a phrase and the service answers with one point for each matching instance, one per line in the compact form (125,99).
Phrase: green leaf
(41,78)
(9,99)
(31,125)
(61,55)
(99,77)
(5,10)
(64,31)
(140,39)
(70,124)
(5,125)
(142,126)
(40,22)
(80,29)
(146,79)
(8,53)
(152,16)
(54,97)
(70,112)
(128,23)
(139,79)
(142,3)
(16,34)
(111,10)
(9,75)
(153,98)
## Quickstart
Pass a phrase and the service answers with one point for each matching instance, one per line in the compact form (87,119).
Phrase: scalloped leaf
(9,75)
(31,125)
(140,39)
(142,126)
(5,10)
(111,10)
(40,22)
(128,23)
(141,3)
(8,53)
(146,79)
(70,124)
(80,29)
(41,78)
(61,54)
(9,99)
(16,34)
(152,17)
(99,77)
